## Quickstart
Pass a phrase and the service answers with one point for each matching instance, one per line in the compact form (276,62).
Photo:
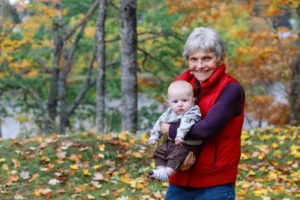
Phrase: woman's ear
(220,62)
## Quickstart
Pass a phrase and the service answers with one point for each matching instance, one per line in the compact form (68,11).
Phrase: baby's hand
(178,140)
(152,141)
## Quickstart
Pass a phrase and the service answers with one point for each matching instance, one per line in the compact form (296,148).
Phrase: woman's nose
(199,63)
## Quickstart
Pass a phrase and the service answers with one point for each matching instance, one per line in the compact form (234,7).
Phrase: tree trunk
(62,91)
(1,120)
(294,95)
(100,84)
(1,15)
(53,92)
(129,65)
(1,24)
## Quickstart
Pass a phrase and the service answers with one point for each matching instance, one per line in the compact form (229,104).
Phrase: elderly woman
(221,101)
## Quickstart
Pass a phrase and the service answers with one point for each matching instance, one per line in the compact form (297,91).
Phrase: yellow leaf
(295,151)
(74,167)
(101,147)
(260,192)
(275,145)
(2,160)
(137,155)
(123,135)
(165,184)
(95,167)
(152,164)
(86,172)
(143,138)
(251,172)
(272,175)
(245,156)
(277,154)
(38,192)
(245,185)
(261,156)
(126,179)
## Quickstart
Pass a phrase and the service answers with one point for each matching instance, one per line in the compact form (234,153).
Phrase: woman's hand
(178,141)
(152,141)
(164,129)
(188,162)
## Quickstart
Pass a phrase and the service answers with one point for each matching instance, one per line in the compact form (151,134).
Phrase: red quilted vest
(217,163)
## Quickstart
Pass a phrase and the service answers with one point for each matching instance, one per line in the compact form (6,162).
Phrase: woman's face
(202,65)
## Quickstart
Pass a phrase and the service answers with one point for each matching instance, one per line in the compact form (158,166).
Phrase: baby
(171,154)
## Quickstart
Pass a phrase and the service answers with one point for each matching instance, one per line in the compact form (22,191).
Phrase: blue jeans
(220,192)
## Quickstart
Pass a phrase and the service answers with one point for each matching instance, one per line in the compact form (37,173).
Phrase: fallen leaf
(45,159)
(106,193)
(96,184)
(53,181)
(25,175)
(61,191)
(13,178)
(74,167)
(18,197)
(16,163)
(61,155)
(34,177)
(101,147)
(75,158)
(86,172)
(98,177)
(80,188)
(90,196)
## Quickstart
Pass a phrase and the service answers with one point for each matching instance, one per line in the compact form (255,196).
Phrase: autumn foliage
(114,166)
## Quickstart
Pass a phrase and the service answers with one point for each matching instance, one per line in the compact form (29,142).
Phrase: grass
(86,166)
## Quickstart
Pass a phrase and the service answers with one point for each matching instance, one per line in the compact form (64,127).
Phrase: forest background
(75,68)
(63,63)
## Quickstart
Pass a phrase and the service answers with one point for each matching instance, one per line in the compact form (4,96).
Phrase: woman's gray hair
(205,39)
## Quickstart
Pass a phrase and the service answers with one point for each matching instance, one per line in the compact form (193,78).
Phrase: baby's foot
(159,174)
(150,173)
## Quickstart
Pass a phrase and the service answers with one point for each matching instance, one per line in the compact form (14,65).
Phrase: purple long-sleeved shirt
(228,105)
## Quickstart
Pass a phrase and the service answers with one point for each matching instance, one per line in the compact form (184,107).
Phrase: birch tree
(100,96)
(129,65)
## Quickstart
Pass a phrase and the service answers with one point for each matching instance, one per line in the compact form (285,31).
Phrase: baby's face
(180,101)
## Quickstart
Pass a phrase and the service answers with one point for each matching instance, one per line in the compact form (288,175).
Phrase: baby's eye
(174,101)
(184,100)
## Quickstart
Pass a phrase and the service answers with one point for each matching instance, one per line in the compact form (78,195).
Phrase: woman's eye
(207,58)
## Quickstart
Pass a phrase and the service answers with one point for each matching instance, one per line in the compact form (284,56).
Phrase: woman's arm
(229,104)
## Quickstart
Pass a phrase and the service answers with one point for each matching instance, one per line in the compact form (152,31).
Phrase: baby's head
(180,96)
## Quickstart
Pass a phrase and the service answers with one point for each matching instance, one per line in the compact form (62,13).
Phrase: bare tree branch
(87,83)
(84,20)
(43,66)
(68,64)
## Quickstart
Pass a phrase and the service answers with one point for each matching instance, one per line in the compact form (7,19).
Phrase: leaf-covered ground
(85,166)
